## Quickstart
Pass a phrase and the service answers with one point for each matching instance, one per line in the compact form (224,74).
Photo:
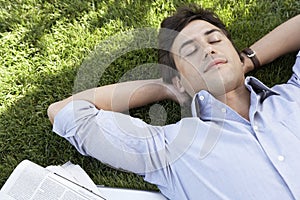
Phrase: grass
(45,44)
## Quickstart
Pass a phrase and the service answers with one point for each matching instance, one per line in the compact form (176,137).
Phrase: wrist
(251,54)
(247,63)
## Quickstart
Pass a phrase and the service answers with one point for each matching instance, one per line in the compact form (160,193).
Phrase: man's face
(206,59)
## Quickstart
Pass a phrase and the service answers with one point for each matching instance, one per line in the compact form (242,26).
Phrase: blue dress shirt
(216,154)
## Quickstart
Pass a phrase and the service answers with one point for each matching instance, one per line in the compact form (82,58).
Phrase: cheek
(234,57)
(191,78)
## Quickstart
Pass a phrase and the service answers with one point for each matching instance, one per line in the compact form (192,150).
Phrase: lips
(214,62)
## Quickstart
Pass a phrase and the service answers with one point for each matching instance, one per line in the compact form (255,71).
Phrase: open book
(30,181)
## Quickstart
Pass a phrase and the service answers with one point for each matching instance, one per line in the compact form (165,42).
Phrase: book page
(18,187)
(76,174)
(30,181)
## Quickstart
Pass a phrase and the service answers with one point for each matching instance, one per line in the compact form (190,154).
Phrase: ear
(176,81)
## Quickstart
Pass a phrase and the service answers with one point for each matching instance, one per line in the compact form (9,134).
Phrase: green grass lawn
(47,46)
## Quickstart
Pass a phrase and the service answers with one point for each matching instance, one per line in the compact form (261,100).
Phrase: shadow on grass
(25,133)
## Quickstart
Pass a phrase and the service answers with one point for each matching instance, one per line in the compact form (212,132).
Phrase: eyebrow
(192,40)
(211,31)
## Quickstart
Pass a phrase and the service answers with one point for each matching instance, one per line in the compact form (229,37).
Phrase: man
(243,141)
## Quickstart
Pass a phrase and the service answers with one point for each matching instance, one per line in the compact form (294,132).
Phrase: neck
(238,100)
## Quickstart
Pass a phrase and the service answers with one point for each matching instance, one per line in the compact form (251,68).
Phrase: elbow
(52,110)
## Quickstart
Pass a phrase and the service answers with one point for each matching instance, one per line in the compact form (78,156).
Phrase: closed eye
(214,41)
(215,37)
(188,50)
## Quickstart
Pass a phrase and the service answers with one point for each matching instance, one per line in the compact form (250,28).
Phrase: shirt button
(223,110)
(280,158)
(255,128)
(201,98)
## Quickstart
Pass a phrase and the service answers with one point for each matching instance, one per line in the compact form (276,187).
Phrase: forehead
(193,30)
(197,26)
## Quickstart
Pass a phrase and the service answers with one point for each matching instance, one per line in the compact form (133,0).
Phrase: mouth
(215,63)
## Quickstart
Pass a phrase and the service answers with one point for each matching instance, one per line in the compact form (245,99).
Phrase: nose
(209,51)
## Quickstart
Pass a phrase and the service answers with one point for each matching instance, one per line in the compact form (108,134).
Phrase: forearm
(117,97)
(283,39)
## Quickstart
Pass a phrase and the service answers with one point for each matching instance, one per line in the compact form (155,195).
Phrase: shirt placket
(275,156)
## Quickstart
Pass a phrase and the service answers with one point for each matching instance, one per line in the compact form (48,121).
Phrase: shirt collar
(205,104)
(256,86)
(208,106)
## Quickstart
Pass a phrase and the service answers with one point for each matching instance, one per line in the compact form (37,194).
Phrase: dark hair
(170,28)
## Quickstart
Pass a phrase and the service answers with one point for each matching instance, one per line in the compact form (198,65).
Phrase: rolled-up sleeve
(295,79)
(113,138)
